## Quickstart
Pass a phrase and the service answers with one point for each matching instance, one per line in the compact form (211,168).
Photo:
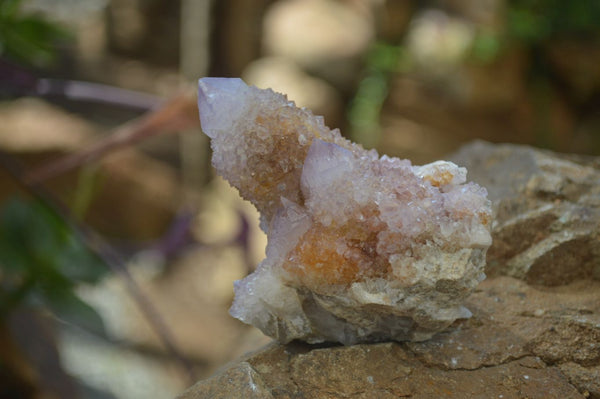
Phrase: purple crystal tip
(221,101)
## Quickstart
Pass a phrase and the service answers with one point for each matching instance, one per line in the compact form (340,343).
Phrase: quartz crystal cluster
(360,247)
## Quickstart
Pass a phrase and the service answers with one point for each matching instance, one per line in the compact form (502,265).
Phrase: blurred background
(116,272)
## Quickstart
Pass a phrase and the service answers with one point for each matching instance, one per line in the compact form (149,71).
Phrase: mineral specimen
(360,247)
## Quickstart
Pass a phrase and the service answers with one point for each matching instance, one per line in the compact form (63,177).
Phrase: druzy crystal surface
(360,247)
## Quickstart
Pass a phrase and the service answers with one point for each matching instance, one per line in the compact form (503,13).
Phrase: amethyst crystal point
(361,247)
(222,103)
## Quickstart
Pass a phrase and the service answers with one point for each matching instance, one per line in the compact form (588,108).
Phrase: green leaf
(486,46)
(31,229)
(70,309)
(28,38)
(9,8)
(79,264)
(37,246)
(34,238)
(534,21)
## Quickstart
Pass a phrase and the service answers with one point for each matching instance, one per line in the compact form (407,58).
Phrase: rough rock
(242,381)
(516,345)
(361,248)
(524,340)
(587,380)
(546,205)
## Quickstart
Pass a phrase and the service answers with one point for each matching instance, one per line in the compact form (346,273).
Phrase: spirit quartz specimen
(361,248)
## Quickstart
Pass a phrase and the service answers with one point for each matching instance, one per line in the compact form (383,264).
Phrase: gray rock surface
(239,381)
(521,342)
(546,207)
(535,330)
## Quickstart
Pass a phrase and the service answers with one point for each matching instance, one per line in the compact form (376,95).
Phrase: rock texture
(361,248)
(546,210)
(526,338)
(521,342)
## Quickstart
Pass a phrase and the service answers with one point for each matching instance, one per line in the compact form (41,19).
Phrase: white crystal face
(361,247)
(324,165)
(288,225)
(328,169)
(221,102)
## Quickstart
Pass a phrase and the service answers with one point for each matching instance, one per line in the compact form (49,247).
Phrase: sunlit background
(116,275)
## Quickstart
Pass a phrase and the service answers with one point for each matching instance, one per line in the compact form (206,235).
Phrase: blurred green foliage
(533,21)
(28,39)
(42,261)
(383,60)
(530,24)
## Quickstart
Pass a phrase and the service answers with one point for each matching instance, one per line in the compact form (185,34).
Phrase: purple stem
(18,80)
